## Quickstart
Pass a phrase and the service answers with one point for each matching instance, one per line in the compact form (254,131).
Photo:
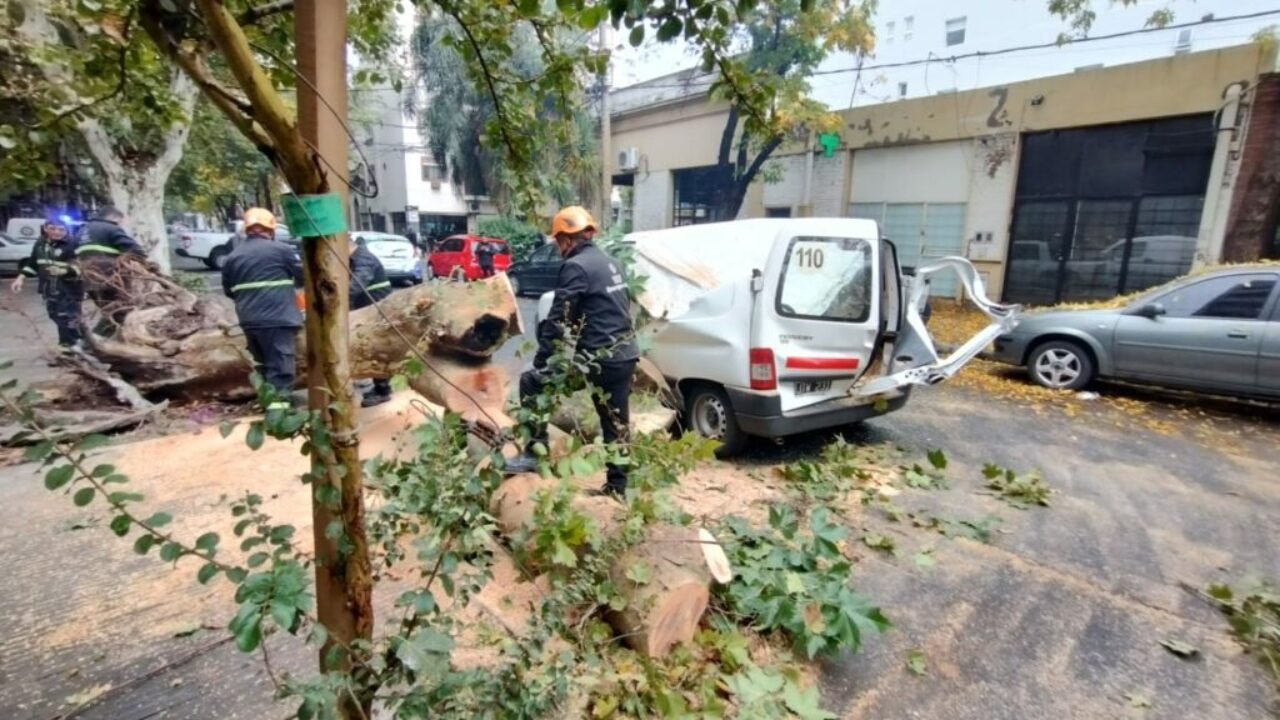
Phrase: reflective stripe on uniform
(26,270)
(93,247)
(261,284)
(378,286)
(55,263)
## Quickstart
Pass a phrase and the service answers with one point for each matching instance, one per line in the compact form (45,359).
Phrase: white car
(398,256)
(13,251)
(778,326)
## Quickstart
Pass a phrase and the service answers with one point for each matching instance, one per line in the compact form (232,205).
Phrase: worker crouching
(260,276)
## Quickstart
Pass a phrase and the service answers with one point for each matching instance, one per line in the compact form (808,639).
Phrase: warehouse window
(698,192)
(955,31)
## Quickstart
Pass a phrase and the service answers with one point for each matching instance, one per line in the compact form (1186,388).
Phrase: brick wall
(1255,205)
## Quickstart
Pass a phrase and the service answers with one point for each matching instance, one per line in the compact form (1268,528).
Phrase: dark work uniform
(484,256)
(102,244)
(591,301)
(58,282)
(369,284)
(260,275)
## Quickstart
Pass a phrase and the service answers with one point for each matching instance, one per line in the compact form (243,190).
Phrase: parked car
(459,251)
(536,274)
(774,327)
(13,251)
(398,256)
(1217,332)
(209,247)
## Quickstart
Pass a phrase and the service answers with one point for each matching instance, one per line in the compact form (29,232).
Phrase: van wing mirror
(914,358)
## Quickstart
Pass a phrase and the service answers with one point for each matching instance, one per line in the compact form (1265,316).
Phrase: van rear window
(826,279)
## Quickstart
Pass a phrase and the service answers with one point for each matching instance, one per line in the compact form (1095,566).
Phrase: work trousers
(274,355)
(62,302)
(613,380)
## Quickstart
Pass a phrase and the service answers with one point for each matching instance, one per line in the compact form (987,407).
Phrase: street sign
(829,142)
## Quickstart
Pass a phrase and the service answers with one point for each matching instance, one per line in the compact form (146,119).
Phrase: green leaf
(143,544)
(915,662)
(640,572)
(669,29)
(805,703)
(158,520)
(120,525)
(207,541)
(237,575)
(83,496)
(925,558)
(91,442)
(990,471)
(103,470)
(59,476)
(563,555)
(226,427)
(207,572)
(250,634)
(1220,591)
(254,437)
(426,652)
(257,559)
(38,452)
(283,614)
(170,551)
(637,35)
(938,459)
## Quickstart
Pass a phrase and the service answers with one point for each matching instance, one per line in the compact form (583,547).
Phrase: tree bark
(665,579)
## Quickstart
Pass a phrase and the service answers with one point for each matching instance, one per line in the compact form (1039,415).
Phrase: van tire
(707,411)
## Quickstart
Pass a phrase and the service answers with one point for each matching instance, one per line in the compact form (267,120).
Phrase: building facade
(1076,186)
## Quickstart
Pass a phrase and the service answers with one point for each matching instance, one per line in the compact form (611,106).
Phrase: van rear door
(817,316)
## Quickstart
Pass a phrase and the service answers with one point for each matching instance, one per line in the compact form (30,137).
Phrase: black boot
(525,462)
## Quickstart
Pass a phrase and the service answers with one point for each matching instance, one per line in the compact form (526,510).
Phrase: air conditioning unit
(629,159)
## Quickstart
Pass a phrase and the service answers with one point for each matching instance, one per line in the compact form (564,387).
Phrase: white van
(779,326)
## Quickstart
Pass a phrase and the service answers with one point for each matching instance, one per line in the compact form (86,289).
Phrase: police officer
(57,279)
(102,243)
(590,302)
(260,275)
(369,284)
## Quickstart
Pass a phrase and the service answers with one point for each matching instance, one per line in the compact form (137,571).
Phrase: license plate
(809,387)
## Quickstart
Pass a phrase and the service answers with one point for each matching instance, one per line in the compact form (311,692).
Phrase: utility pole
(606,133)
(344,583)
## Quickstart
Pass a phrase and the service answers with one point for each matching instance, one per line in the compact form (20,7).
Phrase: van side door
(817,315)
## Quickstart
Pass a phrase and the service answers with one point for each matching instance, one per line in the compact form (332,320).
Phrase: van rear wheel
(708,413)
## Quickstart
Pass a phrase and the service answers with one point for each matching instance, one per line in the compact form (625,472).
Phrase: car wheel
(218,257)
(708,413)
(515,285)
(1061,365)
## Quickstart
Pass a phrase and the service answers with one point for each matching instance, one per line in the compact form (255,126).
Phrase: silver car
(1218,332)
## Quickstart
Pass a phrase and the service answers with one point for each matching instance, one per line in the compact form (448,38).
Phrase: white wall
(826,192)
(652,199)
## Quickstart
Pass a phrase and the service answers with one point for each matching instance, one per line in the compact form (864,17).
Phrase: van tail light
(764,376)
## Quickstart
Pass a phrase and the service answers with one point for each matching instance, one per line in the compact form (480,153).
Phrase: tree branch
(726,139)
(488,79)
(254,14)
(769,146)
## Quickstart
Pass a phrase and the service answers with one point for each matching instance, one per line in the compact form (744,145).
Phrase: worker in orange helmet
(591,306)
(261,276)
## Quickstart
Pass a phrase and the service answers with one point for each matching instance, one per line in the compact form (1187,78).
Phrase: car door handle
(1238,334)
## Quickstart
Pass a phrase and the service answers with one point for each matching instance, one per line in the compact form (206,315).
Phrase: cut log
(665,579)
(172,343)
(475,390)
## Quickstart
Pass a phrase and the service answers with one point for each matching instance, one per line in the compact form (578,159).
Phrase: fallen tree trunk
(172,343)
(665,579)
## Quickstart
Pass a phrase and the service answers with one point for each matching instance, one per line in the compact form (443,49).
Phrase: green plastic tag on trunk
(314,215)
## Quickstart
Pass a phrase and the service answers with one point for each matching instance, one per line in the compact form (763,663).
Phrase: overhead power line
(935,58)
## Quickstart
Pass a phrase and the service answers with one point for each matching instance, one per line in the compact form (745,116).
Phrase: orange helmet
(259,217)
(571,220)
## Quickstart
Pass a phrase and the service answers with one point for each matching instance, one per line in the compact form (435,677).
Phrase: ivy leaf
(640,572)
(59,476)
(563,555)
(426,653)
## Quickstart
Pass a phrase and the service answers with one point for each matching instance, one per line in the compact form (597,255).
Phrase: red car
(463,251)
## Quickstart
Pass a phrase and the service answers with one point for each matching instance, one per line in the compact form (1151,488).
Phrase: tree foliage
(1081,14)
(220,170)
(784,42)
